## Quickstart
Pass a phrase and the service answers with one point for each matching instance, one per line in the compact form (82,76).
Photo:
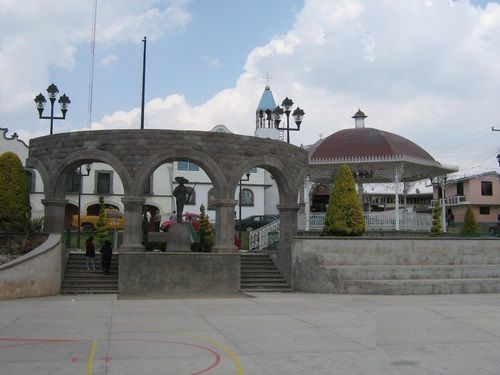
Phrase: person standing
(157,220)
(90,253)
(106,256)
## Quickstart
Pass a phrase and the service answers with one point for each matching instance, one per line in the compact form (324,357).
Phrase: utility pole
(143,82)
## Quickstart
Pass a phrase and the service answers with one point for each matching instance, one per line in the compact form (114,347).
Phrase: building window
(148,186)
(31,180)
(484,210)
(486,188)
(246,197)
(73,183)
(210,199)
(191,198)
(104,182)
(187,166)
(460,188)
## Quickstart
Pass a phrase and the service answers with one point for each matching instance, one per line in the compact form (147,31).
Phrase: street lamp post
(63,101)
(88,167)
(298,115)
(239,208)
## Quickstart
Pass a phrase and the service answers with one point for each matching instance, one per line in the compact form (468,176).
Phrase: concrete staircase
(437,272)
(260,274)
(77,280)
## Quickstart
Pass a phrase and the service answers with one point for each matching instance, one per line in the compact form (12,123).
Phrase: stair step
(259,273)
(79,280)
(390,272)
(423,286)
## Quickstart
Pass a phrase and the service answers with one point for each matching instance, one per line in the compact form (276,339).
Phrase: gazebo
(374,156)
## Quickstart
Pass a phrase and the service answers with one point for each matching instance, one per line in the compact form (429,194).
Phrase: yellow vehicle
(114,220)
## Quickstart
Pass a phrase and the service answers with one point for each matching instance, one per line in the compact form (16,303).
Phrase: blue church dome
(267,100)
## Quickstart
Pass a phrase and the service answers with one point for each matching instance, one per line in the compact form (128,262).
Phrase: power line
(92,58)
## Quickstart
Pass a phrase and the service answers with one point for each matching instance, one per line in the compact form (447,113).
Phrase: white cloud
(38,36)
(109,60)
(425,70)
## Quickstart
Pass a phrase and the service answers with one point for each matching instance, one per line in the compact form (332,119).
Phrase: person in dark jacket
(90,253)
(106,255)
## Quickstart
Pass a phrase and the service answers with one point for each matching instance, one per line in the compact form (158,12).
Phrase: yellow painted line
(233,356)
(90,361)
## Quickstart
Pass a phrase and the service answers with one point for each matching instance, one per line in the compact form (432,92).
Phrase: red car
(194,219)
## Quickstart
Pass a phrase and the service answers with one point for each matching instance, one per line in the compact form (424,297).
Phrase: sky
(427,70)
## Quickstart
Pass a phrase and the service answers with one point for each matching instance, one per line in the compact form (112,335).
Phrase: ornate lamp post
(239,207)
(88,167)
(298,115)
(63,101)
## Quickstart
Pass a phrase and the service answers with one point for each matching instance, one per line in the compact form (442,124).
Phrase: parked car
(114,220)
(192,218)
(494,230)
(254,222)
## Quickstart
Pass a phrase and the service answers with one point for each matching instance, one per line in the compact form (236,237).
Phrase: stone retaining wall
(36,274)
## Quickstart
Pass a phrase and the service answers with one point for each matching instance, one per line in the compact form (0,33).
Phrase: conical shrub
(470,227)
(344,216)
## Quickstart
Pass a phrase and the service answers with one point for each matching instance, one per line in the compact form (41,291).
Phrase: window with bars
(104,182)
(486,188)
(148,186)
(187,166)
(31,180)
(484,210)
(73,183)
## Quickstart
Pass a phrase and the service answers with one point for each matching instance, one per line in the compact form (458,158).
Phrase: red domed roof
(366,143)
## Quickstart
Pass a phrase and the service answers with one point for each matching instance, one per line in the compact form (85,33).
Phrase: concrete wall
(317,262)
(38,273)
(162,273)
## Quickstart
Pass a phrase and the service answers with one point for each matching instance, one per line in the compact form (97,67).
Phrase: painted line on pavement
(90,361)
(233,356)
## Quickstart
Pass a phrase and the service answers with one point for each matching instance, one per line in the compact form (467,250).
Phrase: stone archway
(135,153)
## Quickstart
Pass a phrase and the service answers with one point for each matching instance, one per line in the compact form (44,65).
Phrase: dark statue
(181,194)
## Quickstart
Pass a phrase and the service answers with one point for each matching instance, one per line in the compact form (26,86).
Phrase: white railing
(264,236)
(451,201)
(376,221)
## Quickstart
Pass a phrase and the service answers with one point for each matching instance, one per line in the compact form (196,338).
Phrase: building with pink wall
(480,192)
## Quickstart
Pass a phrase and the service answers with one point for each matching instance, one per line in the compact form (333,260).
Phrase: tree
(344,216)
(102,232)
(437,227)
(205,234)
(14,189)
(470,227)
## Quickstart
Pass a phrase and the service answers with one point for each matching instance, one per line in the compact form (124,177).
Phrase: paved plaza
(254,334)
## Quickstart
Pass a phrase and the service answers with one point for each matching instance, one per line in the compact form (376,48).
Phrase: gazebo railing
(376,221)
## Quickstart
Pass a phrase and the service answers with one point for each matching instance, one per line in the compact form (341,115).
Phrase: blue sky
(425,69)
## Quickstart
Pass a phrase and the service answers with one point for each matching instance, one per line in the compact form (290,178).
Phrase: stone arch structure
(135,154)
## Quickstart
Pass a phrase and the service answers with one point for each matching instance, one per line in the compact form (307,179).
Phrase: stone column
(54,215)
(288,230)
(132,231)
(224,229)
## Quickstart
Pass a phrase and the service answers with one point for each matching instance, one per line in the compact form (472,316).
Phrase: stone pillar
(224,230)
(288,230)
(54,215)
(132,231)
